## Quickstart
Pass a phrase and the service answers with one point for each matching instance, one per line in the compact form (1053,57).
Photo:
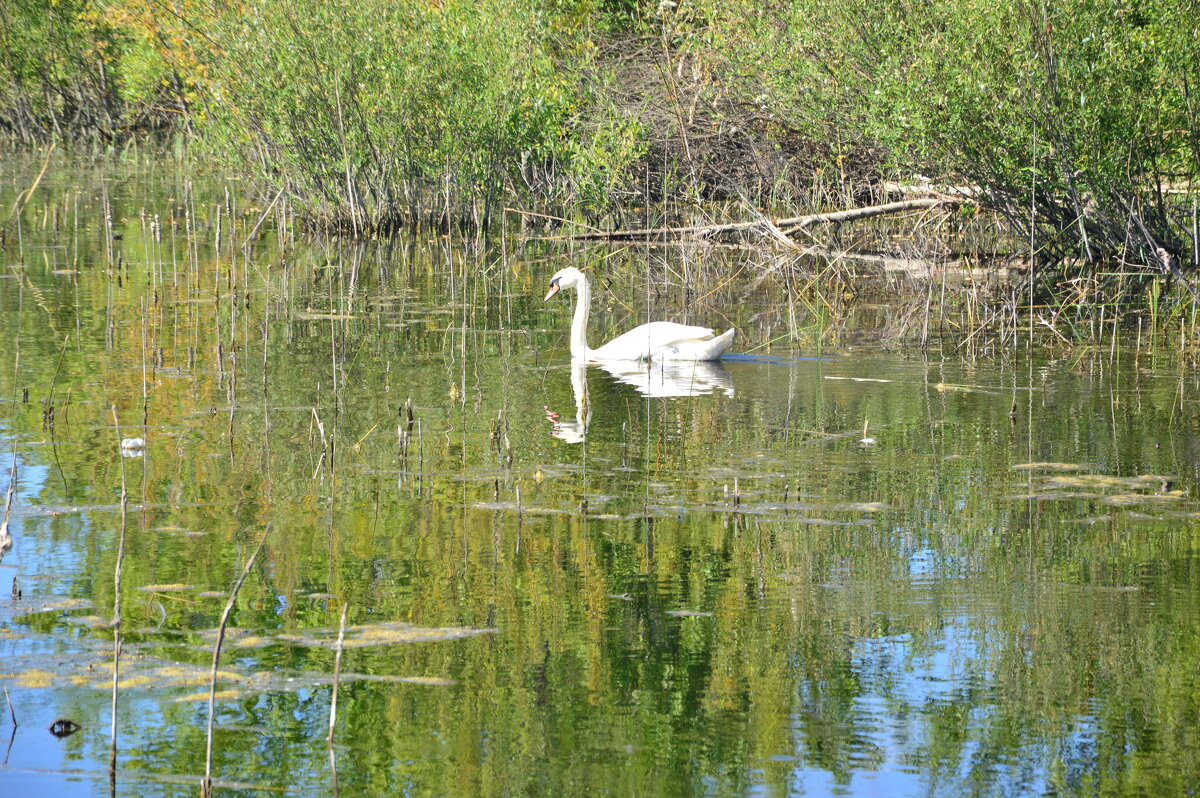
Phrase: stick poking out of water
(27,194)
(337,671)
(116,622)
(206,785)
(11,712)
(6,538)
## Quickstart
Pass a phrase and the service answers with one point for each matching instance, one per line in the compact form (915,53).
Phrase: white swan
(658,340)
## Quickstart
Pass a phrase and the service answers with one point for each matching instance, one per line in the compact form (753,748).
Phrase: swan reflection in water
(574,431)
(661,379)
(665,378)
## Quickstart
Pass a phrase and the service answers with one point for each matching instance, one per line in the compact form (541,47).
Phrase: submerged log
(788,226)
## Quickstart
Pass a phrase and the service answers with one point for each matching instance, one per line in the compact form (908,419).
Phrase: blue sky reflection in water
(565,582)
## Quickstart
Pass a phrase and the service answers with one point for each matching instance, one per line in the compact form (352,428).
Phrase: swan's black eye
(554,282)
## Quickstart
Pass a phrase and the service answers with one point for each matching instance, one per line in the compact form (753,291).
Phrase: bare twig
(596,230)
(57,370)
(206,784)
(8,502)
(11,712)
(25,195)
(262,219)
(337,672)
(112,758)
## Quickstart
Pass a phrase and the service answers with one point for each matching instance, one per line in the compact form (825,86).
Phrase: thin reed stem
(206,784)
(116,622)
(337,672)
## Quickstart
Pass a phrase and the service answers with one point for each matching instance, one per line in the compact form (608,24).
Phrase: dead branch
(785,226)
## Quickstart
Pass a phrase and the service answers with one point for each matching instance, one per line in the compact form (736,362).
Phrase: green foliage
(52,68)
(84,68)
(600,152)
(1081,109)
(375,110)
(1076,119)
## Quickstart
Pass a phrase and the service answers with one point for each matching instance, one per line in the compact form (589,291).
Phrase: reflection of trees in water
(974,642)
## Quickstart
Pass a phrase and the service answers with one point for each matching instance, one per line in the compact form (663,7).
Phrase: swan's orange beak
(554,289)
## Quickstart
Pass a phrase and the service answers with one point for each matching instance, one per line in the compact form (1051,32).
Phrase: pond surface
(845,572)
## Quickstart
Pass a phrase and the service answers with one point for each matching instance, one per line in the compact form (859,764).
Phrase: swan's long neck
(583,300)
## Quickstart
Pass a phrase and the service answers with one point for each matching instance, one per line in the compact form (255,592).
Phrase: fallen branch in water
(786,226)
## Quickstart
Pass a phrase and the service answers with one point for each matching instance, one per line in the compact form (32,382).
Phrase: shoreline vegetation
(1063,135)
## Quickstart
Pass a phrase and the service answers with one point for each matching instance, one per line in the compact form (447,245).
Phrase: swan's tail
(710,349)
(721,343)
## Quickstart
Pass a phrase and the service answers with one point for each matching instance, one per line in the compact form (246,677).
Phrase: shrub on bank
(373,111)
(1079,120)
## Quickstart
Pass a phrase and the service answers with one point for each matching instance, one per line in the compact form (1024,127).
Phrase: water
(687,583)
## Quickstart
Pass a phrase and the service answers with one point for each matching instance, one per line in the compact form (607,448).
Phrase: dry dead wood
(786,226)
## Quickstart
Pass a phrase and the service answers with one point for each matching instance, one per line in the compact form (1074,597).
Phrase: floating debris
(432,681)
(37,604)
(1125,499)
(865,507)
(515,507)
(313,316)
(90,621)
(1111,588)
(34,677)
(254,641)
(689,614)
(177,588)
(1051,496)
(943,387)
(1048,467)
(1145,481)
(1141,489)
(219,695)
(388,633)
(857,379)
(829,521)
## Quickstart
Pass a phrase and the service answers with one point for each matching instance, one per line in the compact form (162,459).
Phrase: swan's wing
(702,349)
(643,342)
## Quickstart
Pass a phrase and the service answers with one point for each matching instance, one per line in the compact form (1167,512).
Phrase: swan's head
(569,277)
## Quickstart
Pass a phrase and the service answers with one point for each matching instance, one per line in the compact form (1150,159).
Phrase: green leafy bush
(373,111)
(53,69)
(1074,118)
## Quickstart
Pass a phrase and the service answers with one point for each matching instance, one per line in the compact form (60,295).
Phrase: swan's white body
(658,340)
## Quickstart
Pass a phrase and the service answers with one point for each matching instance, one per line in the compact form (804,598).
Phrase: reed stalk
(206,783)
(116,622)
